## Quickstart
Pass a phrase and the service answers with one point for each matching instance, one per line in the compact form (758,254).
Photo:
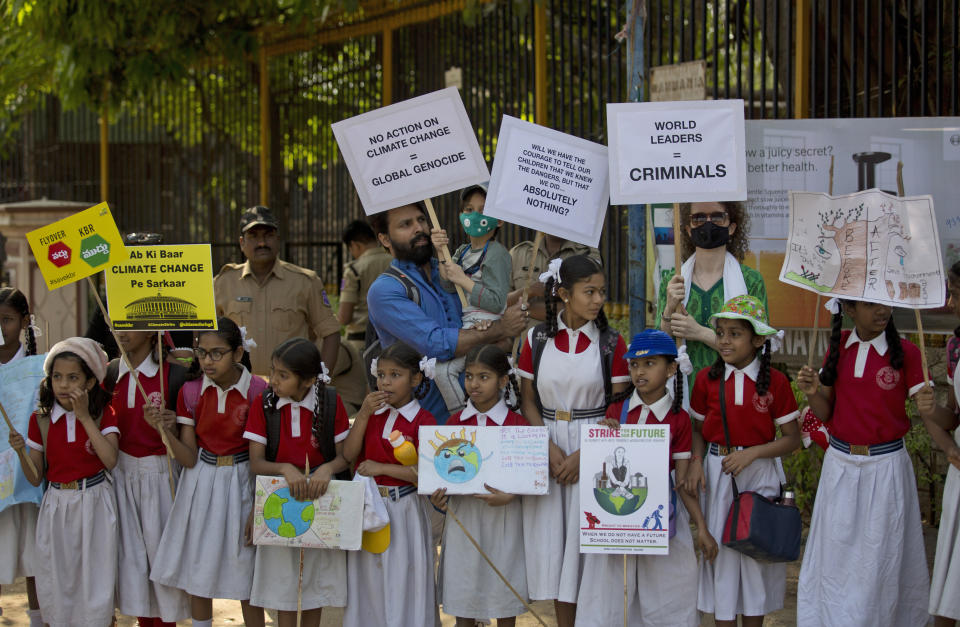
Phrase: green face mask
(476,224)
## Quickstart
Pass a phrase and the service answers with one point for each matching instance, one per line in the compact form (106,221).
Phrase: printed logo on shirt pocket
(239,415)
(88,447)
(156,401)
(888,378)
(762,403)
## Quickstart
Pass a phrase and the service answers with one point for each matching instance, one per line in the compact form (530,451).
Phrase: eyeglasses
(720,218)
(214,355)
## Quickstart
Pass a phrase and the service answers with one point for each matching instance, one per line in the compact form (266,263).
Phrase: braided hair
(229,332)
(14,298)
(573,270)
(302,357)
(763,375)
(493,357)
(828,374)
(407,357)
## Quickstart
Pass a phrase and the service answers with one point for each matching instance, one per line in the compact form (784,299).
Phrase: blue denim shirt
(432,328)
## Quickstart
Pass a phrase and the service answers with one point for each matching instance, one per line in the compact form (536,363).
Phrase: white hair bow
(373,367)
(513,369)
(776,341)
(553,271)
(324,373)
(833,305)
(248,343)
(33,325)
(428,367)
(683,361)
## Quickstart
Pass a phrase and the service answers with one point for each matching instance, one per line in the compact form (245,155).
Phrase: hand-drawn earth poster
(334,521)
(19,382)
(868,246)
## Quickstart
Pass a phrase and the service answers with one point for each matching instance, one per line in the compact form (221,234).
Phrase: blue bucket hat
(650,342)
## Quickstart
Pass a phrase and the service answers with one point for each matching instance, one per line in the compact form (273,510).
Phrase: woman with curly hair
(714,240)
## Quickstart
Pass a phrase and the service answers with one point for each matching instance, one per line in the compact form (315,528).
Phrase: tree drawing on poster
(866,246)
(463,459)
(334,521)
(19,382)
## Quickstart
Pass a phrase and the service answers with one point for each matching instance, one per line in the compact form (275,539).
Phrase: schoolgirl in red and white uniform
(864,562)
(74,431)
(495,518)
(142,481)
(566,391)
(18,523)
(297,396)
(758,400)
(204,549)
(660,587)
(390,582)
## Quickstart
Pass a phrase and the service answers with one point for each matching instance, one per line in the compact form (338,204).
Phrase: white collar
(309,401)
(879,342)
(21,352)
(497,413)
(589,329)
(408,411)
(148,366)
(659,408)
(752,370)
(242,384)
(59,411)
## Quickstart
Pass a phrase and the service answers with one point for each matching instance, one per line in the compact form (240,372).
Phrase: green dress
(702,305)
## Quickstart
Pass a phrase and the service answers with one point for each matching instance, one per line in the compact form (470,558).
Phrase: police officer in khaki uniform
(369,260)
(273,299)
(551,248)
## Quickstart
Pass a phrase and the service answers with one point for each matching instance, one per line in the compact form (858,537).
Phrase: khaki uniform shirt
(521,259)
(357,277)
(290,303)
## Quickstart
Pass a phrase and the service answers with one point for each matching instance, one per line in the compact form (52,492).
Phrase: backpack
(608,346)
(328,447)
(175,381)
(372,348)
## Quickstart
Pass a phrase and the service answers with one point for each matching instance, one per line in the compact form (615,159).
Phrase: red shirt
(70,455)
(221,415)
(752,420)
(497,416)
(139,439)
(660,413)
(296,436)
(869,409)
(376,444)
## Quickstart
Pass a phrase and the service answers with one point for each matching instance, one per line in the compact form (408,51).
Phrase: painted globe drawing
(286,516)
(617,504)
(619,492)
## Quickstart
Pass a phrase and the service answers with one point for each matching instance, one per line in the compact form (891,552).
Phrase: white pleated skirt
(734,583)
(945,582)
(202,550)
(18,541)
(76,558)
(864,562)
(144,502)
(395,588)
(275,578)
(661,589)
(551,529)
(481,593)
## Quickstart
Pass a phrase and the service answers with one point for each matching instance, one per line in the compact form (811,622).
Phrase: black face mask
(710,236)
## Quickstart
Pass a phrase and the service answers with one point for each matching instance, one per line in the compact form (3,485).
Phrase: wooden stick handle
(537,241)
(916,311)
(24,455)
(624,590)
(811,355)
(444,252)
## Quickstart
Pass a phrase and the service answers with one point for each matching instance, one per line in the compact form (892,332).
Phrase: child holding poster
(141,478)
(572,365)
(482,270)
(205,547)
(660,587)
(865,531)
(494,519)
(758,400)
(18,523)
(73,440)
(298,419)
(390,582)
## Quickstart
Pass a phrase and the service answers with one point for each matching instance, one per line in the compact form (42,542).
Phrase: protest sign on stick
(19,381)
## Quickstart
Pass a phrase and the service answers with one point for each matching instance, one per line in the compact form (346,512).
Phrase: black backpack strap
(175,381)
(271,416)
(110,378)
(328,445)
(538,343)
(608,347)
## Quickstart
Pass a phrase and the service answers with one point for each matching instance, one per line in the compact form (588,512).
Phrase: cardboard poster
(334,521)
(77,246)
(411,150)
(163,288)
(19,384)
(686,151)
(549,181)
(869,246)
(625,499)
(463,459)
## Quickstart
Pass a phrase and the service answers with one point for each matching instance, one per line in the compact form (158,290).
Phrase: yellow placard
(162,288)
(77,246)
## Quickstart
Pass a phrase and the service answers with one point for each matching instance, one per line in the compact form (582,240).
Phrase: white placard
(334,521)
(866,246)
(549,181)
(625,489)
(686,151)
(463,459)
(412,150)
